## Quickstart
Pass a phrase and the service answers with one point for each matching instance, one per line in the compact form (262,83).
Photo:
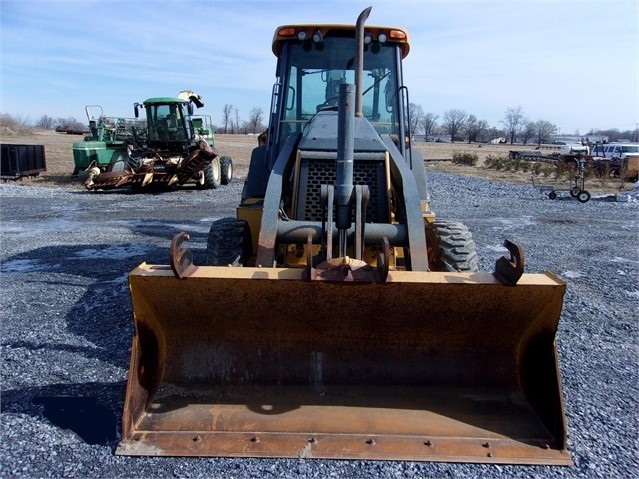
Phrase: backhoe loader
(338,317)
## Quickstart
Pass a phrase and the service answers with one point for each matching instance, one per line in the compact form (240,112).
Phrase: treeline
(516,127)
(21,124)
(233,124)
(455,125)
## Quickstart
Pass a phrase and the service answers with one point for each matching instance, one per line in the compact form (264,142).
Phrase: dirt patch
(438,156)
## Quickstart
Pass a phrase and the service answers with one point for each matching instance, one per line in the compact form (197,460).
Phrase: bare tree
(471,125)
(13,120)
(528,131)
(429,123)
(255,120)
(15,123)
(70,123)
(226,117)
(613,134)
(544,131)
(46,122)
(514,121)
(474,128)
(482,128)
(236,128)
(415,113)
(453,122)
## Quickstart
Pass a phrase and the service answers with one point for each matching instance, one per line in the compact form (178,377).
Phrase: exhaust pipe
(345,157)
(359,59)
(345,137)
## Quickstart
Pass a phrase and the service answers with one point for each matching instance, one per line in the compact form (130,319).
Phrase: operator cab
(313,61)
(167,120)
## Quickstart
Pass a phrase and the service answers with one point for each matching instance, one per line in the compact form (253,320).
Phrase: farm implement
(169,148)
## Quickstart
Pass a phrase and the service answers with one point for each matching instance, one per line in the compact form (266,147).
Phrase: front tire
(229,243)
(212,175)
(451,247)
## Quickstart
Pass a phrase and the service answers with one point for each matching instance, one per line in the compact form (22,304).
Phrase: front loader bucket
(427,366)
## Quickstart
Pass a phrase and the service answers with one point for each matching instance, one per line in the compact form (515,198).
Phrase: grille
(315,173)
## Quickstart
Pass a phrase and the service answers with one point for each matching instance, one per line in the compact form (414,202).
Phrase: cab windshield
(166,122)
(315,71)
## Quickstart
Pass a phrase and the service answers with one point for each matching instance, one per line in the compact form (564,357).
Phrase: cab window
(316,72)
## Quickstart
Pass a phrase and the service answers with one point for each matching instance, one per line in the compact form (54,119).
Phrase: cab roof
(286,33)
(165,99)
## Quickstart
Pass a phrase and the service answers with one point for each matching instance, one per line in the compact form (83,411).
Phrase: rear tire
(229,243)
(451,247)
(226,167)
(212,175)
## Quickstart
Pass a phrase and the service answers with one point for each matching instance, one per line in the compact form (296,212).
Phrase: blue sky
(573,63)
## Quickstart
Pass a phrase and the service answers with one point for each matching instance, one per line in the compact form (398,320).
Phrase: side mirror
(136,105)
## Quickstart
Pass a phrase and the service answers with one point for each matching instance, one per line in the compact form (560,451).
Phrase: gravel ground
(67,328)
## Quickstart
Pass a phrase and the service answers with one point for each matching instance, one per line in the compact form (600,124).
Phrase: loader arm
(270,216)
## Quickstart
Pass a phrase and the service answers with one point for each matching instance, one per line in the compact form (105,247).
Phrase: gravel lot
(67,324)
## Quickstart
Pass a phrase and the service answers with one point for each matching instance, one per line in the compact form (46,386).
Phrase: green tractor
(107,142)
(171,149)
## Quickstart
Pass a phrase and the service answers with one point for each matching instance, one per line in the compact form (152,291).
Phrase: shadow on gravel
(82,289)
(95,277)
(149,190)
(93,422)
(76,407)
